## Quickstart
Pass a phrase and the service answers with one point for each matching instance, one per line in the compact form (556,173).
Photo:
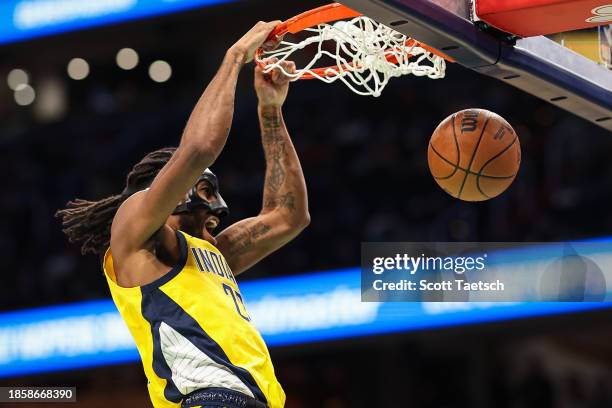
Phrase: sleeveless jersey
(192,329)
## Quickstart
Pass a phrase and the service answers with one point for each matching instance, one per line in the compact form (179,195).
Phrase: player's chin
(207,235)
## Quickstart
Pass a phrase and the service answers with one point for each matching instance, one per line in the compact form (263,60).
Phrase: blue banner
(25,19)
(289,310)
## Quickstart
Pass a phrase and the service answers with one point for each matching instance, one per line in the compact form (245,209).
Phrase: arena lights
(160,71)
(78,69)
(24,95)
(18,80)
(127,58)
(51,99)
(17,77)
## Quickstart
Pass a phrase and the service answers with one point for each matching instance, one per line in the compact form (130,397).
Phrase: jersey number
(236,297)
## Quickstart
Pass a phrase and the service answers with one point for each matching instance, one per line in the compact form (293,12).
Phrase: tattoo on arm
(274,143)
(284,185)
(271,118)
(284,211)
(284,200)
(277,174)
(245,236)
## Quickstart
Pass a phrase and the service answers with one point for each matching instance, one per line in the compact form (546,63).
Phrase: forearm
(284,187)
(210,121)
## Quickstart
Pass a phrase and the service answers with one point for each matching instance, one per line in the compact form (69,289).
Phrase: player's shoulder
(122,224)
(136,267)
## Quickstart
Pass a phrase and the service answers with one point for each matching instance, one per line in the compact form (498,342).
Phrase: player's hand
(253,39)
(272,88)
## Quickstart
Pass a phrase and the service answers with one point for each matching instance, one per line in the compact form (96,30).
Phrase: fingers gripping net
(367,55)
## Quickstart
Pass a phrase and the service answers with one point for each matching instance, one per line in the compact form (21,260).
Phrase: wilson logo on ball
(469,121)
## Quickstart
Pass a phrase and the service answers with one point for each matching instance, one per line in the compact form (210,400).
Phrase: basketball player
(171,279)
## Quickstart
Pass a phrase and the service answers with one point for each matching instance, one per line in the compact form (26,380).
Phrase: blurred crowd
(364,159)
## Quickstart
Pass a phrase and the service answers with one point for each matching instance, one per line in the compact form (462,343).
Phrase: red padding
(528,18)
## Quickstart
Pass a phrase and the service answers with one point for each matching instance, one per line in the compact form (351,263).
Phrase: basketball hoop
(367,54)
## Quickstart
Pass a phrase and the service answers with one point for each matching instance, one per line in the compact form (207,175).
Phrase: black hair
(90,222)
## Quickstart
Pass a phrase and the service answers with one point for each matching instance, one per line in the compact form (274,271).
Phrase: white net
(367,55)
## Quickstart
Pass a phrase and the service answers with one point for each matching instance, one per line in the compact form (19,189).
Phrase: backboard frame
(536,65)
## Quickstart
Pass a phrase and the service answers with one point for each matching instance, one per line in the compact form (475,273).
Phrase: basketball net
(367,55)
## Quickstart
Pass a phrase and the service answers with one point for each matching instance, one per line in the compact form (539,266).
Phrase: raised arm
(203,139)
(284,211)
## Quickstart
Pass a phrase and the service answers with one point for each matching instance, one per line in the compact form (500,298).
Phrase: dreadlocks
(90,222)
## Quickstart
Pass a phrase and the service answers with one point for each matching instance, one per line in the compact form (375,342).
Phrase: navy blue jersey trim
(158,307)
(175,270)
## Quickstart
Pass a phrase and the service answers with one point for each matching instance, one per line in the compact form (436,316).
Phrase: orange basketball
(474,155)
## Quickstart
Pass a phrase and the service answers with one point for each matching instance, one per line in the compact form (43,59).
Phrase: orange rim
(326,14)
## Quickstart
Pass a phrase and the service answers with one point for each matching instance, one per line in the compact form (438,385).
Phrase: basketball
(474,155)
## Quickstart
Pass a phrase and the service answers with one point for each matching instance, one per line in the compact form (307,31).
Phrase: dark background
(365,163)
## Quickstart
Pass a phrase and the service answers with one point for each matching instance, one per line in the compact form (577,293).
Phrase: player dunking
(172,281)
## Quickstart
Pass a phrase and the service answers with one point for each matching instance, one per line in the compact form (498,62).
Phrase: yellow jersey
(192,329)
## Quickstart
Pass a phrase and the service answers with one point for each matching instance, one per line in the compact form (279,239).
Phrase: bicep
(246,242)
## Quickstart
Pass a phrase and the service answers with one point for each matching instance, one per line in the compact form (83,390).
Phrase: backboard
(537,65)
